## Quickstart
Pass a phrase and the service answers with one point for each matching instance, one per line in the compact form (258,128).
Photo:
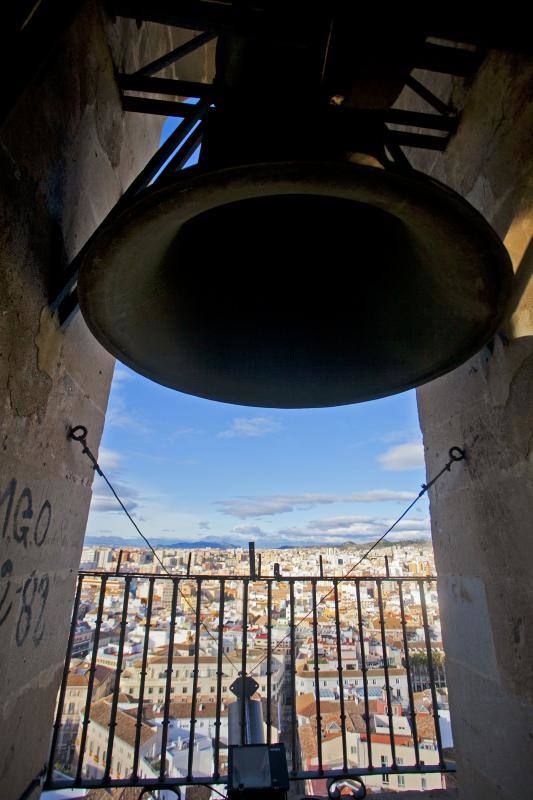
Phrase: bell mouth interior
(291,285)
(360,285)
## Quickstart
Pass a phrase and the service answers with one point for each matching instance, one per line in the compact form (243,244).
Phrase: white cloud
(280,504)
(109,459)
(104,502)
(357,526)
(121,374)
(407,523)
(403,456)
(119,414)
(337,530)
(247,531)
(250,427)
(340,523)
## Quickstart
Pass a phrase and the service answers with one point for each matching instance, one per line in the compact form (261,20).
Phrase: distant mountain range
(118,541)
(222,544)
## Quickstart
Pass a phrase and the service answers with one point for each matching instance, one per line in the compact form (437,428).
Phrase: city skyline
(347,672)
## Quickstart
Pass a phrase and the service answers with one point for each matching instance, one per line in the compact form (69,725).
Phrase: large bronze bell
(278,273)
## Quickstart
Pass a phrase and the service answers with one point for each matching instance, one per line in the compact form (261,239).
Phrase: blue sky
(190,468)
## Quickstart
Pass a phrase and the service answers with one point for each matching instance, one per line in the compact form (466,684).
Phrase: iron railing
(332,657)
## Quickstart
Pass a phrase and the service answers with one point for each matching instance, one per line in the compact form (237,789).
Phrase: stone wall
(66,154)
(482,514)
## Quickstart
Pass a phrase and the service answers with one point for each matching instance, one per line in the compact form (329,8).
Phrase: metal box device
(257,770)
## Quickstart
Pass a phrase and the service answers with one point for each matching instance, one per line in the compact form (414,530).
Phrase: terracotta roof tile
(425,727)
(125,727)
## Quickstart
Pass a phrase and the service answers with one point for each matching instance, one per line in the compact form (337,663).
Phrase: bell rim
(196,180)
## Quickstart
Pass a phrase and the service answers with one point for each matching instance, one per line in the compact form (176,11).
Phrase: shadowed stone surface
(66,155)
(482,515)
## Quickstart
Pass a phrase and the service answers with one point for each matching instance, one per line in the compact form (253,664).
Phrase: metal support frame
(175,150)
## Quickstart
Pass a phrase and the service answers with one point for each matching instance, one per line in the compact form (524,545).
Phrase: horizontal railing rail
(334,658)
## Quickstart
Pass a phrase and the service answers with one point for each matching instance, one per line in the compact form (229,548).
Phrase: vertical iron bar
(189,565)
(387,569)
(431,673)
(119,562)
(220,649)
(170,664)
(269,662)
(243,657)
(365,677)
(194,697)
(317,686)
(87,711)
(118,673)
(64,680)
(251,556)
(341,680)
(138,724)
(386,670)
(321,566)
(409,681)
(293,677)
(259,565)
